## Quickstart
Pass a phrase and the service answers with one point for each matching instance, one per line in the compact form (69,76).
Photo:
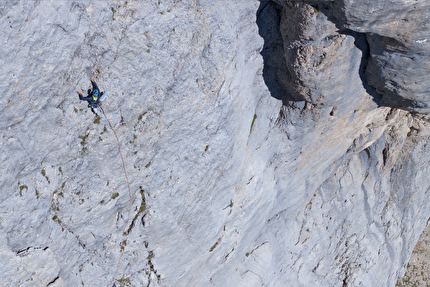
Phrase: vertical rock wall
(246,169)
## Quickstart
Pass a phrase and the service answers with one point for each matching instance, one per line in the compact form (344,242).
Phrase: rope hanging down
(129,193)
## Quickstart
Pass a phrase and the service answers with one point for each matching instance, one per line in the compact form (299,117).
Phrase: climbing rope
(129,193)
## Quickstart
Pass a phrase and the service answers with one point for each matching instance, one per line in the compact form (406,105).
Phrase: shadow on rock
(275,71)
(362,44)
(380,76)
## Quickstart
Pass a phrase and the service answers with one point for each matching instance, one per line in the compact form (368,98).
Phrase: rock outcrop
(266,143)
(392,36)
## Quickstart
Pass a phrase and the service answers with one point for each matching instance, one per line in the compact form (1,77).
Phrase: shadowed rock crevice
(304,47)
(363,45)
(307,58)
(53,281)
(373,47)
(275,71)
(398,48)
(290,41)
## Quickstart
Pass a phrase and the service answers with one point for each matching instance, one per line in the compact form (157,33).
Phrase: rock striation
(266,142)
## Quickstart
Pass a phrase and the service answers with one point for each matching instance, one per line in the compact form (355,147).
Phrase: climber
(94,97)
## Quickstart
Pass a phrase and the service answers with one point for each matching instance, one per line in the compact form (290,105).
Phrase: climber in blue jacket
(94,97)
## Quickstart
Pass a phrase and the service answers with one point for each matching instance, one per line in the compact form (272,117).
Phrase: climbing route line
(123,243)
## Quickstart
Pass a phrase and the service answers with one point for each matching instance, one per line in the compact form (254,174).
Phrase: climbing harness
(123,243)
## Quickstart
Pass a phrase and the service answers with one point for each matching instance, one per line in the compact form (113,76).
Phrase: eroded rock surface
(289,167)
(393,36)
(417,271)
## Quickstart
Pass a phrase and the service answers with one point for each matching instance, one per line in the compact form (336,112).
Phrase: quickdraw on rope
(123,243)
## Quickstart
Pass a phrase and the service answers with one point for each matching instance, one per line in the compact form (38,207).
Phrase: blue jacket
(91,102)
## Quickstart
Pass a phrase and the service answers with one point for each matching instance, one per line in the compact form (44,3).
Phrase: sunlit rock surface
(417,271)
(243,172)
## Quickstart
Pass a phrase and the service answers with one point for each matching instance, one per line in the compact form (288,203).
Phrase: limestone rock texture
(267,143)
(418,269)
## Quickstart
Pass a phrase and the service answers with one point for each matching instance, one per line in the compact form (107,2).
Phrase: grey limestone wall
(266,144)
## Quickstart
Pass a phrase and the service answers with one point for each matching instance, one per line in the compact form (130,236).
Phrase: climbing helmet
(95,95)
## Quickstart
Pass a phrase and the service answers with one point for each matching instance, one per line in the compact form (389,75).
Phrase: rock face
(417,271)
(263,142)
(392,36)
